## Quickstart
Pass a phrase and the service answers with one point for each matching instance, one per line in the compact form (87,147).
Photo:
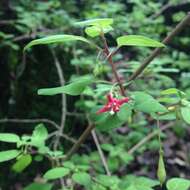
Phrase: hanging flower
(113,104)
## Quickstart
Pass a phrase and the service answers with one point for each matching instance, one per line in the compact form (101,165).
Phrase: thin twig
(6,22)
(102,156)
(163,9)
(63,99)
(168,7)
(34,34)
(81,139)
(75,114)
(43,120)
(157,51)
(68,138)
(148,137)
(10,120)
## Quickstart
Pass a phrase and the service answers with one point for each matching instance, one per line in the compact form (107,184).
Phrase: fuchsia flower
(113,104)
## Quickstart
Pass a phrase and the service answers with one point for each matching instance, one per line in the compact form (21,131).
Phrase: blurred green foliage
(23,20)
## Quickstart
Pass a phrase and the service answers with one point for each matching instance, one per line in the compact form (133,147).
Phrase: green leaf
(113,163)
(168,116)
(39,135)
(56,173)
(145,181)
(185,102)
(138,183)
(8,155)
(83,167)
(94,31)
(170,91)
(75,88)
(22,163)
(178,184)
(185,112)
(125,112)
(96,22)
(107,181)
(9,137)
(82,178)
(69,164)
(108,122)
(138,187)
(39,186)
(40,132)
(61,38)
(126,157)
(137,40)
(146,103)
(107,147)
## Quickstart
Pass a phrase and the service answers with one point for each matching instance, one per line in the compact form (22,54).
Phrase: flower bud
(161,172)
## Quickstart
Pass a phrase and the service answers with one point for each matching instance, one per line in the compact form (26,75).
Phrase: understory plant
(108,100)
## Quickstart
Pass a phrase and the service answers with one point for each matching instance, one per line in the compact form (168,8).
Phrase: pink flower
(113,105)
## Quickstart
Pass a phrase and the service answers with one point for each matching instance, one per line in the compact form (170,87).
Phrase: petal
(104,109)
(122,101)
(109,98)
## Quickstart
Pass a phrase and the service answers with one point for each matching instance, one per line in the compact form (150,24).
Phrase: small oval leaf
(125,112)
(39,186)
(94,31)
(137,40)
(39,136)
(178,184)
(22,163)
(185,112)
(8,155)
(74,89)
(56,173)
(9,137)
(108,122)
(56,39)
(82,178)
(96,22)
(170,91)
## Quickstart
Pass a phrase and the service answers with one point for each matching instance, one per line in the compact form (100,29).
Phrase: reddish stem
(107,52)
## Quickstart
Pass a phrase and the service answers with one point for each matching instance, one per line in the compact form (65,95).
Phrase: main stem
(88,130)
(110,60)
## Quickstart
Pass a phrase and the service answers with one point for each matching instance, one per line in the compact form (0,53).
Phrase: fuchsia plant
(142,101)
(119,114)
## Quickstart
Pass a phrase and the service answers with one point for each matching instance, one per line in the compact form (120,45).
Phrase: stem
(40,120)
(109,57)
(102,156)
(81,139)
(63,99)
(159,135)
(157,51)
(148,137)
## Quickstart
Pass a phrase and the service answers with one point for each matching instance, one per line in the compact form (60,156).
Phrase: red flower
(113,104)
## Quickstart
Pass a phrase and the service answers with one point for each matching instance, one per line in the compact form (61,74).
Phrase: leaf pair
(81,178)
(95,27)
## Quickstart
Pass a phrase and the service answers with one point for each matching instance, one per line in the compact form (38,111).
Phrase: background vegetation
(23,20)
